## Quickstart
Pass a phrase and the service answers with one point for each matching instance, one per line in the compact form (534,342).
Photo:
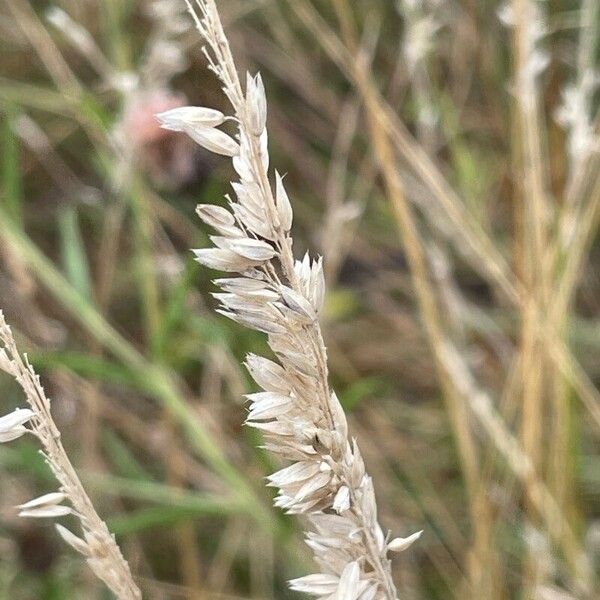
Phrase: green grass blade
(159,493)
(73,253)
(122,458)
(150,518)
(159,379)
(12,190)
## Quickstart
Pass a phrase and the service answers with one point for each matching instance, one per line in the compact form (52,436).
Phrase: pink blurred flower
(165,157)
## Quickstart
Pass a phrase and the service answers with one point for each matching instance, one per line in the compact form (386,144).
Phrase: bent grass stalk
(299,415)
(97,545)
(413,245)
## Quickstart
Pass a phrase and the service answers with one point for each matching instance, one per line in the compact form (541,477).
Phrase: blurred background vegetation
(479,420)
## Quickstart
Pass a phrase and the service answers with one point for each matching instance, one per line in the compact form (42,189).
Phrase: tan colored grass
(96,544)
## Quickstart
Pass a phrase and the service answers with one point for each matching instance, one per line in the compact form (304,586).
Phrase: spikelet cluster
(574,114)
(300,417)
(421,26)
(97,545)
(165,53)
(534,57)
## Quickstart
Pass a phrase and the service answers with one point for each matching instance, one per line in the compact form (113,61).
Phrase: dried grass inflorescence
(97,544)
(300,416)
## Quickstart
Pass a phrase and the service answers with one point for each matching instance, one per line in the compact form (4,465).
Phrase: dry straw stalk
(97,544)
(299,415)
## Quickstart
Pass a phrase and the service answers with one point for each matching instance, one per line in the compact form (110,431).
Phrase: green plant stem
(159,380)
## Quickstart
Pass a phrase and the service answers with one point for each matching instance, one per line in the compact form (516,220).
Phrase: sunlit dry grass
(444,159)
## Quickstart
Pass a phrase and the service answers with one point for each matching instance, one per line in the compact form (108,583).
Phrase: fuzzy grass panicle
(300,416)
(97,545)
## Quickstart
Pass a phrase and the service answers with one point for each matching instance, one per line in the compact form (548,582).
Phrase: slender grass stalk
(562,534)
(467,235)
(494,270)
(530,60)
(44,45)
(298,413)
(10,176)
(456,405)
(97,545)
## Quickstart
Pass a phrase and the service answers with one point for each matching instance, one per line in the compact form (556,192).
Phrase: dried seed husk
(222,260)
(178,118)
(214,140)
(49,499)
(256,103)
(17,418)
(70,538)
(270,376)
(284,207)
(46,512)
(399,544)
